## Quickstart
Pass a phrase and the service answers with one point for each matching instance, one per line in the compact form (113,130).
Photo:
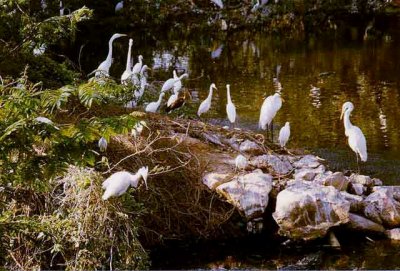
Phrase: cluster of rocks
(309,199)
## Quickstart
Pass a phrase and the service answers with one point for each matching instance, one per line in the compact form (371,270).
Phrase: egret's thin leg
(358,165)
(272,131)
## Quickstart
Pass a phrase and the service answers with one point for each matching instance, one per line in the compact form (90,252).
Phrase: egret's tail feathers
(106,195)
(363,156)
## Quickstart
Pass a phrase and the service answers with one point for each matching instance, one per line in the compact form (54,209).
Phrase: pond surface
(365,72)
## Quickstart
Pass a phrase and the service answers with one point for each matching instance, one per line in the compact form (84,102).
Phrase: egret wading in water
(119,182)
(206,104)
(355,136)
(153,106)
(284,134)
(128,72)
(104,67)
(230,107)
(269,108)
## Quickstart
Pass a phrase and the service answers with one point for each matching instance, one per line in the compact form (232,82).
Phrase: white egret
(206,104)
(179,101)
(153,106)
(138,128)
(128,72)
(102,144)
(269,108)
(170,82)
(138,66)
(61,9)
(119,6)
(241,162)
(143,83)
(218,3)
(355,136)
(46,121)
(104,67)
(230,107)
(284,134)
(177,84)
(119,182)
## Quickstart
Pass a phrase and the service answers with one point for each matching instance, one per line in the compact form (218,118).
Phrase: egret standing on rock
(128,72)
(230,107)
(356,137)
(206,104)
(119,182)
(268,111)
(104,67)
(153,106)
(284,134)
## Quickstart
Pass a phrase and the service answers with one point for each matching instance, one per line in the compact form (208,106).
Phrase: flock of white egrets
(119,182)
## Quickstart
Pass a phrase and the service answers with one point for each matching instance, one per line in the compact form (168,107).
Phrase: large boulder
(360,223)
(309,161)
(248,193)
(279,165)
(307,210)
(383,207)
(309,174)
(250,147)
(337,180)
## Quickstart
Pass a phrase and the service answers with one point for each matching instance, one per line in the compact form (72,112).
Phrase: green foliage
(33,150)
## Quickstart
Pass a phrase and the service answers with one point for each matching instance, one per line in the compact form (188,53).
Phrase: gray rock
(360,223)
(248,193)
(337,180)
(361,179)
(307,210)
(279,165)
(310,161)
(308,174)
(356,202)
(357,189)
(393,234)
(250,147)
(214,179)
(377,182)
(381,206)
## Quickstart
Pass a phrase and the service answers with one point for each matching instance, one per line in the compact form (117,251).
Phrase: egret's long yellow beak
(283,100)
(341,115)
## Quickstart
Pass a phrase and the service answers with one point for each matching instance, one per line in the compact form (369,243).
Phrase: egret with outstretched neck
(128,72)
(206,104)
(170,82)
(230,107)
(356,138)
(104,67)
(119,182)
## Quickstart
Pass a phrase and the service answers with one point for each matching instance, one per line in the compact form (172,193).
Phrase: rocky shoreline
(309,200)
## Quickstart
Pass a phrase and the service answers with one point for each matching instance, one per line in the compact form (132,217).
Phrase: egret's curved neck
(210,93)
(109,56)
(182,76)
(229,95)
(346,120)
(159,99)
(128,60)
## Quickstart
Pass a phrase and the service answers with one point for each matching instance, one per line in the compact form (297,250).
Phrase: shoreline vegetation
(51,212)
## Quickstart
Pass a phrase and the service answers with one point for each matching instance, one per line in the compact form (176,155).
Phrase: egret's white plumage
(218,3)
(143,83)
(104,67)
(138,66)
(356,139)
(241,162)
(119,182)
(128,72)
(46,121)
(138,128)
(177,84)
(102,144)
(170,82)
(206,104)
(284,134)
(153,106)
(230,107)
(119,6)
(270,107)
